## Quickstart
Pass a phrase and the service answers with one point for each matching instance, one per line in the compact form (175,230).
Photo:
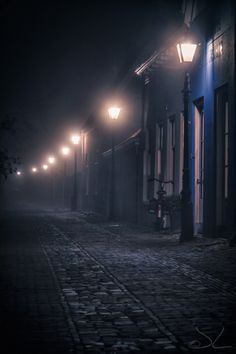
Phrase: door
(199,164)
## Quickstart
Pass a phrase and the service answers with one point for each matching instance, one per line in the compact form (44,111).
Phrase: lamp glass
(65,150)
(51,159)
(186,52)
(75,139)
(114,112)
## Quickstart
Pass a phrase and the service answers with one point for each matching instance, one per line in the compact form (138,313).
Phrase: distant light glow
(65,150)
(186,52)
(75,139)
(51,160)
(218,50)
(18,173)
(114,112)
(45,167)
(34,169)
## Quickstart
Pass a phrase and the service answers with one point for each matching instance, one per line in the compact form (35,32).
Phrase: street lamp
(113,113)
(186,52)
(45,167)
(65,150)
(75,140)
(18,173)
(34,169)
(51,160)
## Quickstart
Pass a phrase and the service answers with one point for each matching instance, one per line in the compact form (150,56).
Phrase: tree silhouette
(8,162)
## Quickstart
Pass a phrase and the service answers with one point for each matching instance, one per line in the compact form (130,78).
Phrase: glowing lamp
(75,139)
(18,173)
(114,112)
(45,167)
(65,150)
(186,52)
(34,169)
(51,159)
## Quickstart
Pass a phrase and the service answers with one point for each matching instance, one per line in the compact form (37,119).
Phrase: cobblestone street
(70,286)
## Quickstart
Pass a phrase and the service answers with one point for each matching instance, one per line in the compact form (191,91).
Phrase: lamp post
(186,53)
(113,114)
(74,204)
(45,169)
(52,160)
(65,152)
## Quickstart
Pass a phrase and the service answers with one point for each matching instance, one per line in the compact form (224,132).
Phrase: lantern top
(114,112)
(186,51)
(75,139)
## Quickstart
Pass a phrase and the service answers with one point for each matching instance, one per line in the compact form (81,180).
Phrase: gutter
(133,138)
(160,54)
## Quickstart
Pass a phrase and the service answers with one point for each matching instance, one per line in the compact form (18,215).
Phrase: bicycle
(160,207)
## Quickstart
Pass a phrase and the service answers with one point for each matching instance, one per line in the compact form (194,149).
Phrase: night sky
(59,59)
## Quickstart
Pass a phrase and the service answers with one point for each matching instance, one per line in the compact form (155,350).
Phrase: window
(202,154)
(160,137)
(181,151)
(96,173)
(159,149)
(170,173)
(146,167)
(226,150)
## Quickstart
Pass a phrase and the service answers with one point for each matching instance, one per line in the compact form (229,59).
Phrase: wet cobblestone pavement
(69,286)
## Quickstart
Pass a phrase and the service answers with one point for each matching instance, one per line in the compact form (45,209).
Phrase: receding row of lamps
(65,150)
(75,139)
(186,51)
